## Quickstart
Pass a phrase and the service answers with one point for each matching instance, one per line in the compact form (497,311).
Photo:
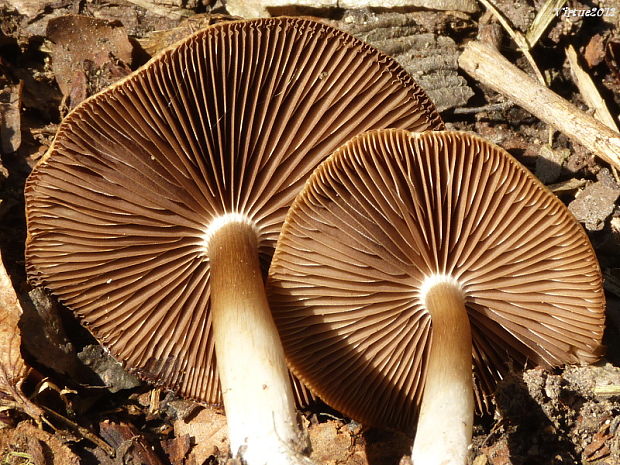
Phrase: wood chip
(570,185)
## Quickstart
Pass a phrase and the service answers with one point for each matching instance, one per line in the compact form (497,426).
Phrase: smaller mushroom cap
(388,214)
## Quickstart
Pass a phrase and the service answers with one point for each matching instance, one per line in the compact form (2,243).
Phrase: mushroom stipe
(406,259)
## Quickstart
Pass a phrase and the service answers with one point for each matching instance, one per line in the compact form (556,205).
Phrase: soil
(55,53)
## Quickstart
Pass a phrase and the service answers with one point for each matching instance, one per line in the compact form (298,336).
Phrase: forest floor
(80,407)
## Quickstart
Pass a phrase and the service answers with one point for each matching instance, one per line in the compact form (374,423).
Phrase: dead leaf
(13,369)
(207,430)
(177,449)
(156,41)
(10,117)
(28,8)
(28,444)
(598,447)
(88,54)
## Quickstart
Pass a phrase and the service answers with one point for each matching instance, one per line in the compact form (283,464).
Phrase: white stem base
(445,424)
(258,398)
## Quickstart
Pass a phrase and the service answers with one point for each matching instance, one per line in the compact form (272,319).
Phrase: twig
(488,66)
(489,107)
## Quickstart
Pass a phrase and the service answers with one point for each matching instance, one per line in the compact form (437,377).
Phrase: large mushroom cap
(389,214)
(229,122)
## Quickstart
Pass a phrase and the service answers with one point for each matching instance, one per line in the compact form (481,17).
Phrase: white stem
(258,397)
(444,430)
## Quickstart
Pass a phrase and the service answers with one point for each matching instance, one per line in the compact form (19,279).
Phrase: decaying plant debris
(63,400)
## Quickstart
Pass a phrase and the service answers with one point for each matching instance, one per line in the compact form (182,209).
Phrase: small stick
(84,432)
(488,66)
(489,107)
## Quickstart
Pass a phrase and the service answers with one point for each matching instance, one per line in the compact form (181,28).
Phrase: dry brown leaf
(177,449)
(88,54)
(28,444)
(13,369)
(10,118)
(156,41)
(29,8)
(207,430)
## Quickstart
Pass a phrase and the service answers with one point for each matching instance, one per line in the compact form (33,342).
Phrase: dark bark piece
(131,446)
(430,58)
(10,119)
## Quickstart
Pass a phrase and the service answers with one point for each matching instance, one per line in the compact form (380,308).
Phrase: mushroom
(154,214)
(406,259)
